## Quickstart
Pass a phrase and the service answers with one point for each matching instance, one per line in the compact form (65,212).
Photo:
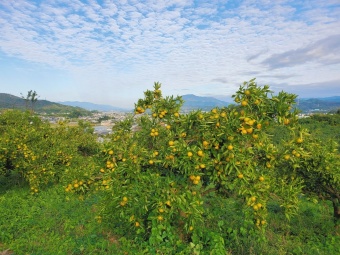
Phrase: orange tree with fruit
(159,167)
(316,163)
(42,155)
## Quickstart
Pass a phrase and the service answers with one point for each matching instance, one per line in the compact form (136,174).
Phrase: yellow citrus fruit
(200,153)
(125,199)
(171,143)
(261,179)
(299,140)
(249,130)
(189,154)
(230,147)
(244,103)
(137,224)
(111,152)
(240,176)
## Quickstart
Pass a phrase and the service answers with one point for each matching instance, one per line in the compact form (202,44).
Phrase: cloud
(325,51)
(184,44)
(257,55)
(220,80)
(314,89)
(277,76)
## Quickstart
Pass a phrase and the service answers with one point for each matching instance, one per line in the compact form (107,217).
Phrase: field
(56,223)
(247,179)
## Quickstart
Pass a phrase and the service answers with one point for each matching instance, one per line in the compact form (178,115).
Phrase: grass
(54,222)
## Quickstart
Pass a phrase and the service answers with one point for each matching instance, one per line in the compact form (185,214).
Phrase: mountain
(91,106)
(306,105)
(192,102)
(335,99)
(325,104)
(8,101)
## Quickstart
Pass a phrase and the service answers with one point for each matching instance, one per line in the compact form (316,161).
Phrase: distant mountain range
(325,104)
(191,102)
(8,101)
(98,107)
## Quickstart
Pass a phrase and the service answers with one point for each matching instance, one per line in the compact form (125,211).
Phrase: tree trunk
(336,214)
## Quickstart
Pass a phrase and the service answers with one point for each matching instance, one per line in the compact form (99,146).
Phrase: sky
(111,51)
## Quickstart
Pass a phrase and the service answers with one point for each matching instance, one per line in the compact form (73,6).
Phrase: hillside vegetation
(8,101)
(244,179)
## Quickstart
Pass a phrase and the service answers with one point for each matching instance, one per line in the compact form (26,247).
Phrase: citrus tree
(42,154)
(312,155)
(315,162)
(160,165)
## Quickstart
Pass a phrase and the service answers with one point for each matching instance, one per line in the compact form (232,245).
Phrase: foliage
(197,183)
(31,98)
(157,175)
(56,222)
(323,119)
(43,155)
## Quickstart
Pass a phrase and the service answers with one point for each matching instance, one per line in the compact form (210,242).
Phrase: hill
(192,102)
(325,104)
(98,107)
(8,101)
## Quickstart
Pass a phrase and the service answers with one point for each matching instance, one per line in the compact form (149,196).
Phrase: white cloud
(184,44)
